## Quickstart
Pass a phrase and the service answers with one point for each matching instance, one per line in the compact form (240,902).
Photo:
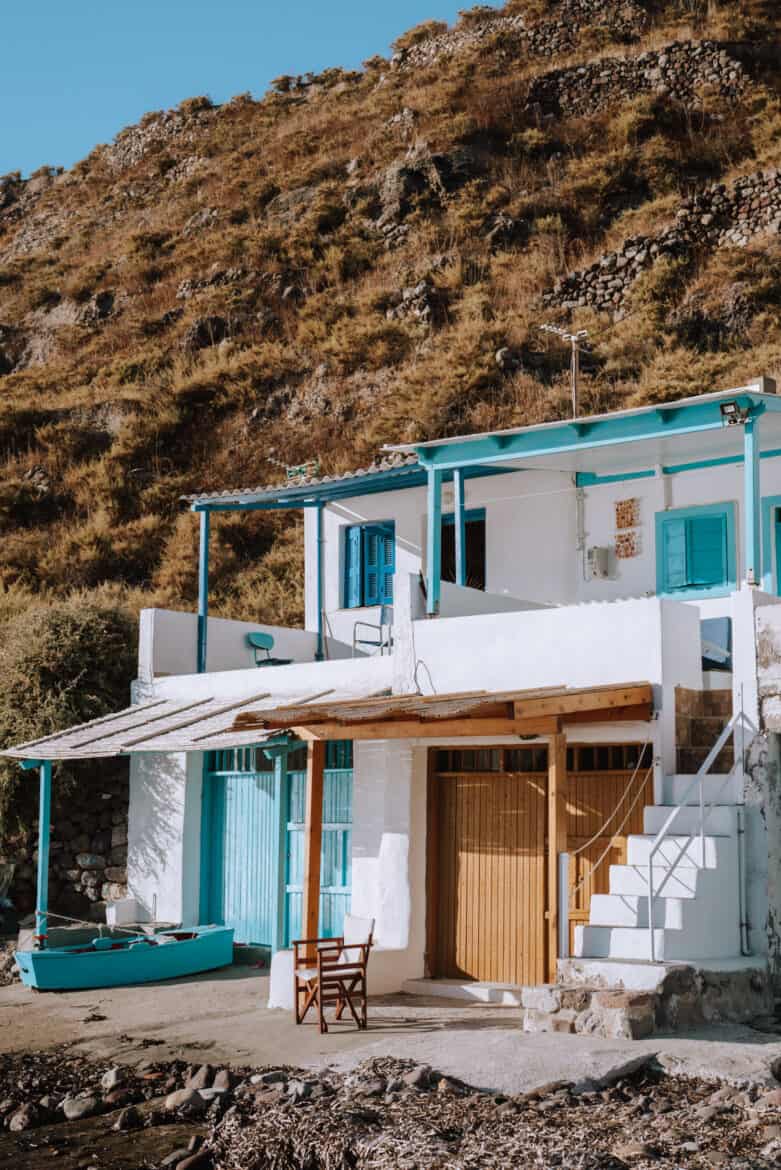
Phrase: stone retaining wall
(625,22)
(680,70)
(719,216)
(88,856)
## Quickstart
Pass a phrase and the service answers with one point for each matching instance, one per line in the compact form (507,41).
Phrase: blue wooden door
(335,861)
(241,845)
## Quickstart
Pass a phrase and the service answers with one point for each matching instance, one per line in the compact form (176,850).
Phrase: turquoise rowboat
(140,958)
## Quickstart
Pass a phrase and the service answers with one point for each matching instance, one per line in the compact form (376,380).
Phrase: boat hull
(139,960)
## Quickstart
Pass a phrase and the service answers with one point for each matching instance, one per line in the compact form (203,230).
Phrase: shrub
(418,34)
(61,663)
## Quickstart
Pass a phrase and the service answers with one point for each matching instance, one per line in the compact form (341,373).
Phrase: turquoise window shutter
(387,563)
(706,550)
(352,567)
(372,547)
(695,550)
(674,540)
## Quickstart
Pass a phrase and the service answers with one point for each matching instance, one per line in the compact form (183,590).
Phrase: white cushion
(306,972)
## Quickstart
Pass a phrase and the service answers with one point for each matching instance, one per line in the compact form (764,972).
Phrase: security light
(732,415)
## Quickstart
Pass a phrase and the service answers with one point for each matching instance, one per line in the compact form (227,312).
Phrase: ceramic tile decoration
(627,513)
(627,544)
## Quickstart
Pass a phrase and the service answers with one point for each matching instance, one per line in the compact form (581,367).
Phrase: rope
(129,928)
(582,881)
(600,831)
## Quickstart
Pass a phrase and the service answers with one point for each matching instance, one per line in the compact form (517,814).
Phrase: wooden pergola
(541,713)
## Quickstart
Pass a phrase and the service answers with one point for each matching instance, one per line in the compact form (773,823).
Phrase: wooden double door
(487,846)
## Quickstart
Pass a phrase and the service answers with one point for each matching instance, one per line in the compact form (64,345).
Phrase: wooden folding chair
(333,970)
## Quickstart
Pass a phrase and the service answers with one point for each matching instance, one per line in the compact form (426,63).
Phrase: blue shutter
(352,567)
(706,550)
(387,563)
(372,548)
(674,554)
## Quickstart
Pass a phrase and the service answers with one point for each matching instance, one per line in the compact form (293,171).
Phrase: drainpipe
(319,653)
(203,592)
(745,948)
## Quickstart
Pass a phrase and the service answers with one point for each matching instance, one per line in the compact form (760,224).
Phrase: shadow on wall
(157,811)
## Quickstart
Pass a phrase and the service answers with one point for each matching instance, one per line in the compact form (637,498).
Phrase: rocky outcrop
(718,217)
(679,70)
(547,38)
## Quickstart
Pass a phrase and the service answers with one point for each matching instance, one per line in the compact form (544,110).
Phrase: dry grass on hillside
(220,292)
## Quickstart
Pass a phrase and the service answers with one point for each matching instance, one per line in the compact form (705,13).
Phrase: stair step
(626,942)
(679,850)
(723,789)
(678,882)
(632,910)
(720,820)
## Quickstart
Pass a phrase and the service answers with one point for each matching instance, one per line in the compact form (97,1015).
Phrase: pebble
(24,1118)
(202,1078)
(128,1119)
(419,1077)
(113,1079)
(76,1108)
(189,1099)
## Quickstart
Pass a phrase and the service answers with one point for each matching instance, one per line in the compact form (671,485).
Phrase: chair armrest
(311,942)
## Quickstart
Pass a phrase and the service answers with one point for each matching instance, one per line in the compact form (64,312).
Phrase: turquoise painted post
(434,541)
(752,503)
(460,527)
(280,858)
(203,591)
(44,831)
(319,655)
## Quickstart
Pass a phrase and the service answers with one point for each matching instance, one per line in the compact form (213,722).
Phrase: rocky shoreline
(385,1113)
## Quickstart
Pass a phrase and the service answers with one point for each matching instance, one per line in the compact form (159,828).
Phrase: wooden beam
(642,713)
(313,838)
(557,839)
(601,699)
(430,729)
(432,868)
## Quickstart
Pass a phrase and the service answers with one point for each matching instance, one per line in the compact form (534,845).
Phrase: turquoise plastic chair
(261,645)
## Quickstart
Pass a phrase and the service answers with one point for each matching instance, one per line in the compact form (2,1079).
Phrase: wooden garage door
(487,814)
(487,871)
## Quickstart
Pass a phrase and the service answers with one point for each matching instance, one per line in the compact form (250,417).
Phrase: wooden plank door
(487,897)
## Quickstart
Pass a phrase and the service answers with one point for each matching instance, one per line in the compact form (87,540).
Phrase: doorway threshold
(470,990)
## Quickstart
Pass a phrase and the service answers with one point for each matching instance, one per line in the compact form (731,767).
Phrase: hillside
(367,257)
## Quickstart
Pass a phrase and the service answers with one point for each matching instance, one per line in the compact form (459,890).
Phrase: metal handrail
(739,719)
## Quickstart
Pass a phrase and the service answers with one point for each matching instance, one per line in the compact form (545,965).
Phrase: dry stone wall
(625,21)
(718,217)
(679,70)
(88,856)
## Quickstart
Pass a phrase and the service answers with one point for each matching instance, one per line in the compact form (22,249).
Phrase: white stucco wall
(531,535)
(530,540)
(168,643)
(164,826)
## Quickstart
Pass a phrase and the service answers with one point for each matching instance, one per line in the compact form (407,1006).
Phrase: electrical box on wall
(598,558)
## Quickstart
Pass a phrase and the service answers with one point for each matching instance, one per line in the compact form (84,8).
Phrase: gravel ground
(386,1113)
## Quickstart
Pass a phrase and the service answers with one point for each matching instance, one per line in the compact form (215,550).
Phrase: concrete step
(723,789)
(720,820)
(632,910)
(679,850)
(624,942)
(671,882)
(470,990)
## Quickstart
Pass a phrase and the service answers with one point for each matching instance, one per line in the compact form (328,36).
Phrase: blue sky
(75,72)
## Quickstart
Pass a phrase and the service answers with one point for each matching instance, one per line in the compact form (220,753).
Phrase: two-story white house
(520,650)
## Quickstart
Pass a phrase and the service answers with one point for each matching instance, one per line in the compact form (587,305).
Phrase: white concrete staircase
(696,912)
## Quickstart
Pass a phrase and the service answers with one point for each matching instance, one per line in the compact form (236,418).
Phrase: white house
(531,716)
